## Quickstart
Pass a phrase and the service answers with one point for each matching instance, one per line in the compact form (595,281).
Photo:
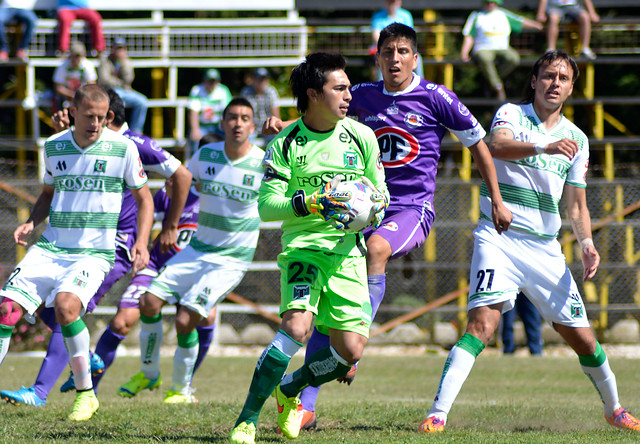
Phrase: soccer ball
(362,207)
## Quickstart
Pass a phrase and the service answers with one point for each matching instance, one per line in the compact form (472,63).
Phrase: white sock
(183,361)
(151,335)
(605,383)
(456,370)
(77,340)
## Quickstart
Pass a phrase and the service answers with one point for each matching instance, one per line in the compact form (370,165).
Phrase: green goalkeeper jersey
(300,158)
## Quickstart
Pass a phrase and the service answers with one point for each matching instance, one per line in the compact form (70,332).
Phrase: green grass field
(505,400)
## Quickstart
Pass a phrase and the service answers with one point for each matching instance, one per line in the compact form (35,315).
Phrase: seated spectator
(74,72)
(20,11)
(264,99)
(532,322)
(70,10)
(487,31)
(116,72)
(207,100)
(555,11)
(393,12)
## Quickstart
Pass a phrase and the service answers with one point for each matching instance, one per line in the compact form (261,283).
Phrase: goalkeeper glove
(379,200)
(330,207)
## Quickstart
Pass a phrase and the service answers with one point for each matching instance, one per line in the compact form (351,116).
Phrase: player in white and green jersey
(228,176)
(87,170)
(323,269)
(538,154)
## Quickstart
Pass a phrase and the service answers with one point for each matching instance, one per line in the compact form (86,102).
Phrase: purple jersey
(155,159)
(186,227)
(410,125)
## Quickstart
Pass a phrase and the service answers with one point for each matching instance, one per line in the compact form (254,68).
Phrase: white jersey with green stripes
(532,187)
(89,184)
(228,223)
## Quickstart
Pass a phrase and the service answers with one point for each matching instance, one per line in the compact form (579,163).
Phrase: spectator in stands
(555,11)
(70,10)
(487,31)
(116,72)
(207,100)
(264,99)
(74,72)
(532,326)
(20,11)
(393,12)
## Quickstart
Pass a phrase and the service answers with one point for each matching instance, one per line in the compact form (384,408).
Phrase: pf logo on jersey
(397,146)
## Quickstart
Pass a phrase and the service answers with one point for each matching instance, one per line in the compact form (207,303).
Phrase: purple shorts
(137,287)
(405,228)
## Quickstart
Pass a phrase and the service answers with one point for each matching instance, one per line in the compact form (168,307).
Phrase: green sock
(321,367)
(267,375)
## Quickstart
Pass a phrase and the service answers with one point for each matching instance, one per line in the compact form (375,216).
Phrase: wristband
(299,204)
(539,149)
(584,243)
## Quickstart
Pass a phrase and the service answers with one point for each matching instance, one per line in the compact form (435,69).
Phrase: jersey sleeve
(90,71)
(134,175)
(469,27)
(456,117)
(273,204)
(158,160)
(577,175)
(506,117)
(515,21)
(193,103)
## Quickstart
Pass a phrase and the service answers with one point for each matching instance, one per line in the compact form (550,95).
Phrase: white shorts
(504,264)
(41,275)
(196,280)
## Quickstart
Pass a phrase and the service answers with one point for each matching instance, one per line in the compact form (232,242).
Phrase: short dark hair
(547,58)
(237,101)
(116,105)
(312,73)
(398,30)
(91,92)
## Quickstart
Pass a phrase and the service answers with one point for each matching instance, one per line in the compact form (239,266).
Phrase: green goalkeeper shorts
(331,286)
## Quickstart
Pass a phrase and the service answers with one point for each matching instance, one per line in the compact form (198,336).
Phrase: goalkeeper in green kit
(323,268)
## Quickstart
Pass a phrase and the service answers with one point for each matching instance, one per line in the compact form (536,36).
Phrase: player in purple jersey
(409,116)
(154,158)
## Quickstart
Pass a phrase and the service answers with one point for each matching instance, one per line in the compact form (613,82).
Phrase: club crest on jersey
(324,156)
(463,110)
(576,311)
(350,159)
(79,282)
(248,180)
(397,146)
(301,291)
(413,120)
(100,166)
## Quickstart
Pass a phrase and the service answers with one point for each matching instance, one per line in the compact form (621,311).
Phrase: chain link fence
(439,267)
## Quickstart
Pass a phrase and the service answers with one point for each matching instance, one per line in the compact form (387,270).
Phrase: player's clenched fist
(568,147)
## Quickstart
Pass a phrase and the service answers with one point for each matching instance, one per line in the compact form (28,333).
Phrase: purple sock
(106,349)
(377,285)
(53,365)
(309,395)
(205,336)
